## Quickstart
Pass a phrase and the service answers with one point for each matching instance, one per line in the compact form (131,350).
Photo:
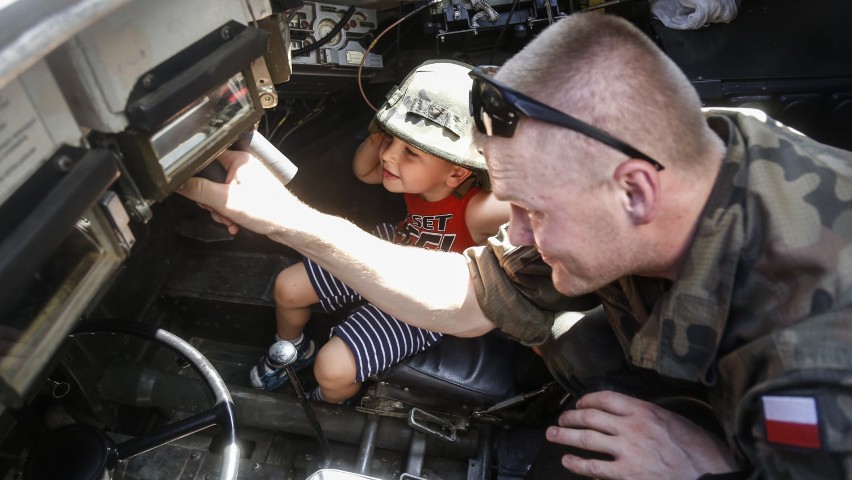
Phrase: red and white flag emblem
(792,421)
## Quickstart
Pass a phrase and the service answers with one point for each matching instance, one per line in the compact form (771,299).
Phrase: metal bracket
(415,423)
(134,201)
(405,476)
(263,82)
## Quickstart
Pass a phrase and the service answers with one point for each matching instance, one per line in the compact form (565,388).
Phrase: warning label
(24,142)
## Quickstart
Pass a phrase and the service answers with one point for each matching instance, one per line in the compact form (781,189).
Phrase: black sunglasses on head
(495,109)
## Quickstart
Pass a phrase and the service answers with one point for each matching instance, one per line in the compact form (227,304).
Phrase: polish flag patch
(792,421)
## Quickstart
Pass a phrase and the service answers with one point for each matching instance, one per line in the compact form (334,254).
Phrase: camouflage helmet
(436,93)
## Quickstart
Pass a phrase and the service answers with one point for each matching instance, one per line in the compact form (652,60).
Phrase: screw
(255,466)
(226,33)
(148,81)
(64,163)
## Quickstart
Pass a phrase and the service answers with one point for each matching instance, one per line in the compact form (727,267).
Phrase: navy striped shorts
(377,340)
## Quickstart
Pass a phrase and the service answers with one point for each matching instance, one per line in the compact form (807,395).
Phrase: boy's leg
(294,294)
(334,371)
(366,343)
(296,289)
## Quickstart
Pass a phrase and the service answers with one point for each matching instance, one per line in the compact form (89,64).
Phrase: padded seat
(476,371)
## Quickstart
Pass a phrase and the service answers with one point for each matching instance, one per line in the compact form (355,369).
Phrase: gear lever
(282,354)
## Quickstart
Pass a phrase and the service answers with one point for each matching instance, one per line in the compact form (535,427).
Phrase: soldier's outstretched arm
(428,289)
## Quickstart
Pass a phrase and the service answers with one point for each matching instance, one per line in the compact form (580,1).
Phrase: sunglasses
(496,108)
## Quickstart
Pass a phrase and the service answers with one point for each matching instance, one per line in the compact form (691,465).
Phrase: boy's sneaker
(269,377)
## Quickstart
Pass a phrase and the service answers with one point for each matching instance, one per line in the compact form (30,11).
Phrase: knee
(288,288)
(335,365)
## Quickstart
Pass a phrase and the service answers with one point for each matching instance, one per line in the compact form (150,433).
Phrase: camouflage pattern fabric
(762,312)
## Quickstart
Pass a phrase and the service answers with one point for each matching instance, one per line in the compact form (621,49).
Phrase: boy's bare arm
(484,215)
(367,164)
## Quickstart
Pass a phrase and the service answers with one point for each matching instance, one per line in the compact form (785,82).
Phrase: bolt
(64,163)
(255,466)
(148,81)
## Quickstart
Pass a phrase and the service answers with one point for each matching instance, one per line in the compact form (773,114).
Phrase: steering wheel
(81,452)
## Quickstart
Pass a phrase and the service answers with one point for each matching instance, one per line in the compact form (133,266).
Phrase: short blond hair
(603,70)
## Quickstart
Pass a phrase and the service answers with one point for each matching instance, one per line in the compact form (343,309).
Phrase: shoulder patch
(792,421)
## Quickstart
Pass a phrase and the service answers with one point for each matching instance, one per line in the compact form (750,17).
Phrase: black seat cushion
(474,371)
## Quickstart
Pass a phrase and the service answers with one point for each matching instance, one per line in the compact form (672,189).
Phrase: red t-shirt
(440,225)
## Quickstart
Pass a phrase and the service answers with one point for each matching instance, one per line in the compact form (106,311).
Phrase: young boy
(421,146)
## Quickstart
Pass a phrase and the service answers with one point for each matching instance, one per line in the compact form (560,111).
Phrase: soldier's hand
(251,196)
(645,441)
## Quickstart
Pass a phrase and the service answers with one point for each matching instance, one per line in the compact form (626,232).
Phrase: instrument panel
(324,34)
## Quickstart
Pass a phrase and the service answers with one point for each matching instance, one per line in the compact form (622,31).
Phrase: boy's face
(410,170)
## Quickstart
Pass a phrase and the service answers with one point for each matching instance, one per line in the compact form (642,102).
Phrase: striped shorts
(377,340)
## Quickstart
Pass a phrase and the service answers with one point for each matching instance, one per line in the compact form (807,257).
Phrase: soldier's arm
(433,291)
(794,415)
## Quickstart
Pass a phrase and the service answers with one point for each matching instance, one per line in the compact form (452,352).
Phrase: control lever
(517,399)
(277,163)
(255,143)
(282,354)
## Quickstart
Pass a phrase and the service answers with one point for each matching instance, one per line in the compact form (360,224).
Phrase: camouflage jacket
(761,314)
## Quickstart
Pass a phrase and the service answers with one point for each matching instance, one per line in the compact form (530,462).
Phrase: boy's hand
(383,140)
(367,161)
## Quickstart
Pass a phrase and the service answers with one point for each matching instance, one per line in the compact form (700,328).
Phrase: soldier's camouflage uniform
(762,309)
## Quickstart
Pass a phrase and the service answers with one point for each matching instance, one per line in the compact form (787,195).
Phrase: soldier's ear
(457,176)
(639,184)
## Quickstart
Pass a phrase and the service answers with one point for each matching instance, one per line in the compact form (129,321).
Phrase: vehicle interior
(129,319)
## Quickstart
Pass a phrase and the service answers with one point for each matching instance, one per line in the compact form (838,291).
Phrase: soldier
(719,244)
